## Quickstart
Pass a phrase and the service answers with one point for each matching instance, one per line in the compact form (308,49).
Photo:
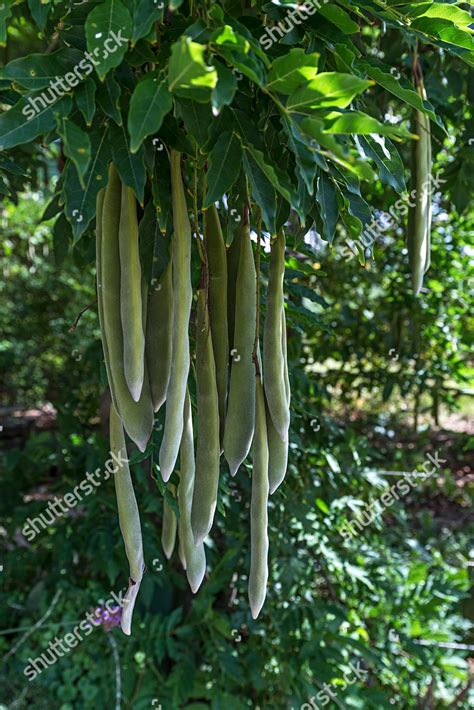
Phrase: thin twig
(81,313)
(39,623)
(19,629)
(118,677)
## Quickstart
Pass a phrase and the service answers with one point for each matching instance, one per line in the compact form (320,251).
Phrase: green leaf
(130,166)
(292,70)
(262,190)
(357,122)
(146,13)
(188,74)
(224,91)
(236,49)
(5,12)
(10,167)
(174,137)
(81,200)
(197,119)
(277,177)
(327,201)
(108,98)
(358,209)
(225,36)
(38,71)
(154,246)
(330,89)
(108,31)
(150,103)
(447,32)
(450,12)
(16,129)
(4,189)
(306,158)
(385,155)
(314,127)
(62,238)
(322,506)
(161,190)
(340,18)
(76,145)
(85,99)
(39,11)
(398,87)
(224,167)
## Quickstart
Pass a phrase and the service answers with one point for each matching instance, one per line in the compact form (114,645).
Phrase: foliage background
(368,361)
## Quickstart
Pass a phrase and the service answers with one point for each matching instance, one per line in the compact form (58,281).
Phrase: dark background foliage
(379,380)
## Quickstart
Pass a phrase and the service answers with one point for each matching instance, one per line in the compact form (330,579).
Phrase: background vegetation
(379,380)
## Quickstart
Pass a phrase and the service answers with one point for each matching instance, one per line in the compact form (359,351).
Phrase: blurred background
(379,380)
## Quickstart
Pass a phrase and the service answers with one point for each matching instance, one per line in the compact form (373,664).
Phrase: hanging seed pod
(159,337)
(419,221)
(284,347)
(137,417)
(278,447)
(131,295)
(193,553)
(100,305)
(273,357)
(240,418)
(233,258)
(168,527)
(278,455)
(129,518)
(217,264)
(182,298)
(430,200)
(258,577)
(208,446)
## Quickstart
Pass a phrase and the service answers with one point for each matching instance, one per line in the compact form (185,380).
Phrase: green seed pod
(240,419)
(182,298)
(129,517)
(159,337)
(422,227)
(430,205)
(217,261)
(194,554)
(258,577)
(182,557)
(168,527)
(277,455)
(137,417)
(208,446)
(100,305)
(233,258)
(284,347)
(419,221)
(273,358)
(131,295)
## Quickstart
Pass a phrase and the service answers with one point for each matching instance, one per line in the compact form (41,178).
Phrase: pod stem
(257,290)
(196,211)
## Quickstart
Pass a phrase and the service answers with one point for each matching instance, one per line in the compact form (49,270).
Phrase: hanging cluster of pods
(242,402)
